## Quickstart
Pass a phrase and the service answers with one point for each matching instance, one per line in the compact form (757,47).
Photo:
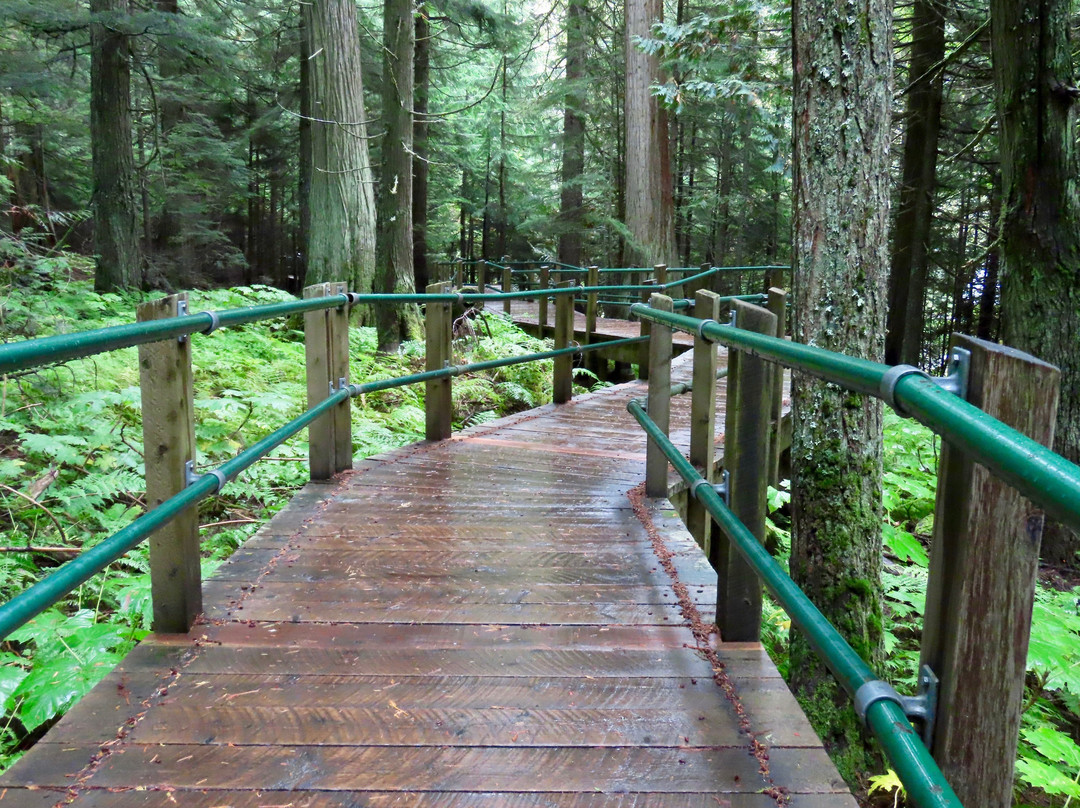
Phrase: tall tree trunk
(842,100)
(573,154)
(341,243)
(914,215)
(1040,215)
(422,76)
(650,215)
(395,249)
(116,226)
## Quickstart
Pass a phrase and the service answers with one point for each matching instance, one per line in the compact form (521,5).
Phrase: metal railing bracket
(921,707)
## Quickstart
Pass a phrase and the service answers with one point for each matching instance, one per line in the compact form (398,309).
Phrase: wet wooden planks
(480,622)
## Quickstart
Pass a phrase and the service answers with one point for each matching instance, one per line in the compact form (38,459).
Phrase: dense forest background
(218,122)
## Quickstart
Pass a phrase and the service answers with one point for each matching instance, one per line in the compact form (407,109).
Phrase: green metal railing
(32,353)
(1041,475)
(1037,472)
(922,778)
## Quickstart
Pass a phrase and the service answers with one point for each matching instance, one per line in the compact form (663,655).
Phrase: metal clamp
(701,327)
(342,383)
(723,488)
(955,382)
(191,477)
(921,707)
(182,311)
(215,322)
(720,488)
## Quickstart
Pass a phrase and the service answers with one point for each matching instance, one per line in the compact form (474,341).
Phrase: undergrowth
(1048,758)
(71,466)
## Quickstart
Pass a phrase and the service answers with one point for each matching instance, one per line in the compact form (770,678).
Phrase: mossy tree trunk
(1040,216)
(842,102)
(394,262)
(422,78)
(341,243)
(116,226)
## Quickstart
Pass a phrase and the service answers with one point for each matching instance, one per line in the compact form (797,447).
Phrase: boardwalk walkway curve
(480,621)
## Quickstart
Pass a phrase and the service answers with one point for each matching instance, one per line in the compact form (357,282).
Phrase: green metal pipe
(1046,478)
(26,605)
(926,785)
(17,356)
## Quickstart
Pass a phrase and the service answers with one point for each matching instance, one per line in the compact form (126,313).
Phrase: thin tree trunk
(116,228)
(395,248)
(573,155)
(422,76)
(303,189)
(914,215)
(842,100)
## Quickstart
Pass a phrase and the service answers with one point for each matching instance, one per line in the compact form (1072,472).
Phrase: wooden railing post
(703,416)
(746,453)
(339,372)
(459,274)
(646,331)
(439,343)
(778,306)
(659,401)
(319,352)
(507,285)
(482,275)
(542,301)
(983,565)
(660,274)
(592,359)
(563,383)
(168,444)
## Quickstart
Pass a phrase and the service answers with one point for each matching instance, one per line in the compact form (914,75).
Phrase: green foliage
(71,470)
(1048,755)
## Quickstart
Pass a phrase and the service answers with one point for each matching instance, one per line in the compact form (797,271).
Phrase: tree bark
(914,215)
(116,227)
(650,213)
(842,100)
(395,249)
(573,155)
(1036,100)
(341,244)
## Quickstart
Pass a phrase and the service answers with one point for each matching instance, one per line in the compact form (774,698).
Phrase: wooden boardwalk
(493,620)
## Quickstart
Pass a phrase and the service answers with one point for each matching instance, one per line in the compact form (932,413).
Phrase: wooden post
(322,442)
(439,343)
(646,331)
(339,372)
(715,280)
(983,565)
(660,274)
(659,402)
(542,301)
(778,306)
(507,285)
(459,274)
(591,304)
(168,444)
(703,416)
(746,452)
(563,387)
(482,275)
